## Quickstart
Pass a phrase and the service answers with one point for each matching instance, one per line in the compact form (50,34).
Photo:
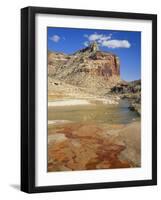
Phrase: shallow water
(99,113)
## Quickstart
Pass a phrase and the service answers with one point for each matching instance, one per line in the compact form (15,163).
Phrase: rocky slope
(131,91)
(89,68)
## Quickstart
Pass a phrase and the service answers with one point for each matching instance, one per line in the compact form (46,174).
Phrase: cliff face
(104,64)
(88,67)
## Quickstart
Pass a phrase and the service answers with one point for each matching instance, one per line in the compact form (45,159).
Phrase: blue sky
(125,44)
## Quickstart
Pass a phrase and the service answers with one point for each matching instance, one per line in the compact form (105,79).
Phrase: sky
(125,44)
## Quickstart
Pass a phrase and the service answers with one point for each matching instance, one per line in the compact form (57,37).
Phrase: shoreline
(68,102)
(74,102)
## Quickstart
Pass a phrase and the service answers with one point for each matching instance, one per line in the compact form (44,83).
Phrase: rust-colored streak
(83,147)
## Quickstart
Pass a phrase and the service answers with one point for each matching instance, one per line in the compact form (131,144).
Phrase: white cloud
(94,37)
(116,44)
(106,41)
(98,37)
(55,38)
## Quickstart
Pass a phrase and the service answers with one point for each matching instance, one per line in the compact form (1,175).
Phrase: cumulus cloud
(116,44)
(55,38)
(97,37)
(106,41)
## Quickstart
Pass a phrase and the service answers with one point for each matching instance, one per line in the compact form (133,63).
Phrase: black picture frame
(28,98)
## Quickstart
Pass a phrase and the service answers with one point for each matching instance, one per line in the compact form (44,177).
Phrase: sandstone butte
(88,67)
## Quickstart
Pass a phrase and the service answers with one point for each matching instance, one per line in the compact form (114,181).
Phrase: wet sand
(85,101)
(68,102)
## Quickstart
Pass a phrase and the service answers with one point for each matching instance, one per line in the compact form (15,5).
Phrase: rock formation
(88,67)
(85,147)
(130,91)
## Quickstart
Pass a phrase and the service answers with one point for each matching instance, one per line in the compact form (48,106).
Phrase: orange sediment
(83,147)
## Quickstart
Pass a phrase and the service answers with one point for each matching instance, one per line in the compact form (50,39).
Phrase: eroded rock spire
(94,46)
